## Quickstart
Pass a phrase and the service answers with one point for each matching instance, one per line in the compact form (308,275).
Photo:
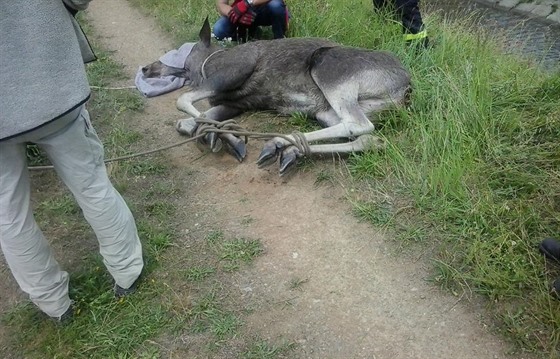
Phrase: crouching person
(243,17)
(42,101)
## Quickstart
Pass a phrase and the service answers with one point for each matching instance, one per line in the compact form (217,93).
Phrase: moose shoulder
(334,84)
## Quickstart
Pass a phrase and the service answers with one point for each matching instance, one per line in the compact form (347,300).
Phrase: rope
(231,127)
(111,88)
(127,157)
(206,126)
(301,142)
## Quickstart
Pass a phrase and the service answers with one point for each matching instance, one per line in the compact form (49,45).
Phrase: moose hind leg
(353,123)
(327,118)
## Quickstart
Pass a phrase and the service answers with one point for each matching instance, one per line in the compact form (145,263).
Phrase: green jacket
(42,55)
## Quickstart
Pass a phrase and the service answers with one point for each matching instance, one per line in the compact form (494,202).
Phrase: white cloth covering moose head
(154,86)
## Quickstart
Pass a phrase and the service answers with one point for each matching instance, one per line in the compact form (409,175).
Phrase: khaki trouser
(77,155)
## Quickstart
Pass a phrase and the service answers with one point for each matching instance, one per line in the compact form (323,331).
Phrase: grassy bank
(472,167)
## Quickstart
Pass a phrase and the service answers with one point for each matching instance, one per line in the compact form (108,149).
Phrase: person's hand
(248,18)
(238,10)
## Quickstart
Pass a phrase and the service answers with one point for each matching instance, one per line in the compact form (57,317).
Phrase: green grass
(59,206)
(324,177)
(475,159)
(198,273)
(264,350)
(36,156)
(181,19)
(238,251)
(232,253)
(297,283)
(102,327)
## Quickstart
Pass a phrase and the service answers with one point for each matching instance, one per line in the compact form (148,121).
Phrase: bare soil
(359,297)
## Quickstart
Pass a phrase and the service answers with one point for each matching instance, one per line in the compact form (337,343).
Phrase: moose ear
(204,34)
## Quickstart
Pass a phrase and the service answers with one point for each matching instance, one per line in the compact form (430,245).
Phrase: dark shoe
(121,292)
(550,247)
(66,317)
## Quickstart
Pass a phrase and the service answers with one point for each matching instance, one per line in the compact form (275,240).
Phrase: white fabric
(77,155)
(159,85)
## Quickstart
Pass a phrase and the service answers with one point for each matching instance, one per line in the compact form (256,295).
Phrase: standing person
(410,17)
(42,101)
(243,15)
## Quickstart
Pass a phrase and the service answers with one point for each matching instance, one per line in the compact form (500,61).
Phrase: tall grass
(477,154)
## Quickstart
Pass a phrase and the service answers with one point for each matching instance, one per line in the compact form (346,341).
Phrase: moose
(334,84)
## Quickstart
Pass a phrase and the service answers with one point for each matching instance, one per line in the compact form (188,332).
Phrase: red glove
(248,18)
(238,10)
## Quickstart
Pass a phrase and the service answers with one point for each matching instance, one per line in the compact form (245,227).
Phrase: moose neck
(206,60)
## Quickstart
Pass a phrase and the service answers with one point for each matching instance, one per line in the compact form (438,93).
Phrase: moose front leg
(234,145)
(186,100)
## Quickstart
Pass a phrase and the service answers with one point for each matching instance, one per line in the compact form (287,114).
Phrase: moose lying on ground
(334,84)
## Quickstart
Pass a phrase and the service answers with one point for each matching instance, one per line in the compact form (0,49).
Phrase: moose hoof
(269,154)
(187,126)
(209,142)
(236,147)
(288,159)
(214,142)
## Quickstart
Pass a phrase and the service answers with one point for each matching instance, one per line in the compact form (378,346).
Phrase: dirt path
(359,299)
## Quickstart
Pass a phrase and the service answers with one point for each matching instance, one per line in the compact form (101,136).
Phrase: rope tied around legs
(229,126)
(301,143)
(205,126)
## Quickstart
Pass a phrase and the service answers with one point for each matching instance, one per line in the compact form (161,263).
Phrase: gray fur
(334,84)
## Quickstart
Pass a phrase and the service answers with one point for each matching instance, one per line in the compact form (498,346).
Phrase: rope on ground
(206,126)
(127,157)
(296,139)
(111,88)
